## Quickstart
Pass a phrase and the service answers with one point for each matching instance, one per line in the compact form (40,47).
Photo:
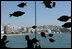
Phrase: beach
(13,34)
(22,34)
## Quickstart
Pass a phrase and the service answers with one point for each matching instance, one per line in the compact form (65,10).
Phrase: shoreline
(20,34)
(13,34)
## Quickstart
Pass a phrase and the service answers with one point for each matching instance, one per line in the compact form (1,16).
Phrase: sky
(45,16)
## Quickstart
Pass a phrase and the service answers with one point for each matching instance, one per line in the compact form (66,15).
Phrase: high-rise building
(2,29)
(7,29)
(25,29)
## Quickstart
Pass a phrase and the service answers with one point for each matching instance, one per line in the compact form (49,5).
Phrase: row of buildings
(8,29)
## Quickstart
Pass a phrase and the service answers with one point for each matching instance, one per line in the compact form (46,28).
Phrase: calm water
(61,41)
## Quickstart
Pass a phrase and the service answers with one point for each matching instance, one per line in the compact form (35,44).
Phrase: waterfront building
(2,29)
(7,29)
(49,31)
(25,29)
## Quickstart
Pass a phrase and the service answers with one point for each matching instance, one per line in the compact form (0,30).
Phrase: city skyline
(45,28)
(45,16)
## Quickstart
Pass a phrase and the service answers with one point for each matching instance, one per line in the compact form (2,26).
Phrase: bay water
(61,41)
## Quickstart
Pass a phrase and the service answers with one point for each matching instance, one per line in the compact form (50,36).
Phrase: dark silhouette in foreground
(29,42)
(35,41)
(34,27)
(54,4)
(21,5)
(48,4)
(64,18)
(50,35)
(67,25)
(3,42)
(43,34)
(17,14)
(38,45)
(51,40)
